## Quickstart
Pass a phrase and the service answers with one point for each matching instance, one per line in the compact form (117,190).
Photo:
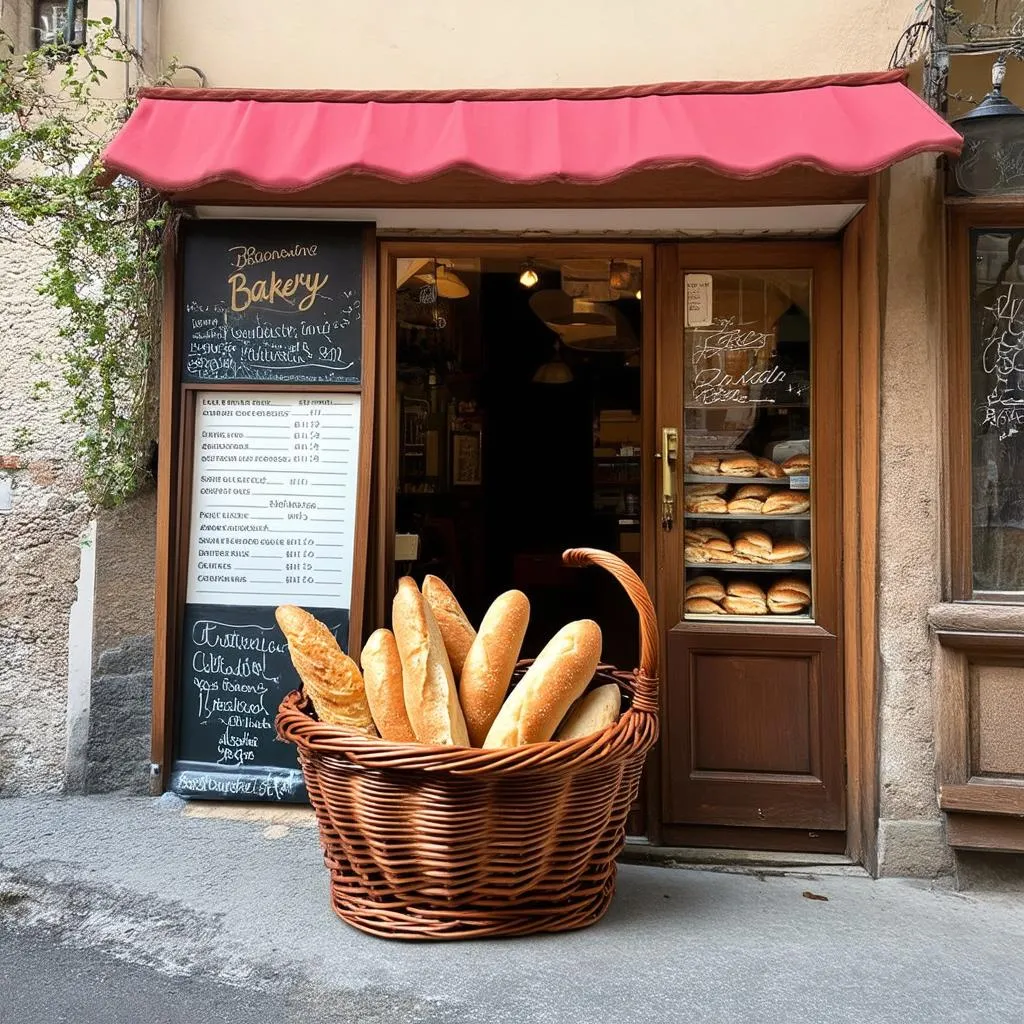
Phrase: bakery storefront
(455,334)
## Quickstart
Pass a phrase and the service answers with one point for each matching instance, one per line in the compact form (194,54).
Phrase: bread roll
(487,671)
(707,533)
(789,551)
(791,585)
(704,465)
(431,700)
(537,705)
(797,465)
(692,537)
(457,630)
(745,605)
(745,507)
(772,470)
(779,607)
(593,712)
(755,544)
(702,606)
(696,553)
(740,464)
(706,504)
(695,490)
(705,586)
(759,491)
(745,588)
(788,503)
(385,689)
(329,676)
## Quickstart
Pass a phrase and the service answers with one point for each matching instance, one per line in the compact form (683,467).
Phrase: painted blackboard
(235,669)
(274,302)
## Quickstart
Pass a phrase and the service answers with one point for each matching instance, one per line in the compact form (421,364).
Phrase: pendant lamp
(555,371)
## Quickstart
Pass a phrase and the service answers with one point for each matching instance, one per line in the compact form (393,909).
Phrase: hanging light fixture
(555,371)
(528,276)
(991,160)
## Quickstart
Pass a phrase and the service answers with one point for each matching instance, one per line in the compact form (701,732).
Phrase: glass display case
(747,497)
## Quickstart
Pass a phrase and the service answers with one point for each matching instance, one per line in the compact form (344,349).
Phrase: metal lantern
(992,160)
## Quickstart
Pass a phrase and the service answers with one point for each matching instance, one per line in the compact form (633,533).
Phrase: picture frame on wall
(466,470)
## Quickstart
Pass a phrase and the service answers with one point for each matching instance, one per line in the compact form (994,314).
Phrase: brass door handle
(669,454)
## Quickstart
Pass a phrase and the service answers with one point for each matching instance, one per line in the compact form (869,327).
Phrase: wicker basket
(429,842)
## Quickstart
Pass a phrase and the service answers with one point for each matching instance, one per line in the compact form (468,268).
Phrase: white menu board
(273,499)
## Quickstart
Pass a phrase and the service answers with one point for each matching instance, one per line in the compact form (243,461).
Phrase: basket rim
(635,728)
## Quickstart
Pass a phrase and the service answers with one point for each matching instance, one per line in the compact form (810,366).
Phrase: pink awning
(181,139)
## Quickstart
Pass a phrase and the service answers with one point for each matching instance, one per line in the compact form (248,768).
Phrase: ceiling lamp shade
(555,371)
(991,160)
(556,308)
(448,284)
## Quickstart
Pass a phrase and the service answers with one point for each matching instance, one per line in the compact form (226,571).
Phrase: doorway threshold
(639,851)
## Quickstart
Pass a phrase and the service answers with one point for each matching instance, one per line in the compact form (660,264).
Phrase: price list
(273,499)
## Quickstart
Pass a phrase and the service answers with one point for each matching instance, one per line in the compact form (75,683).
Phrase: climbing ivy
(101,243)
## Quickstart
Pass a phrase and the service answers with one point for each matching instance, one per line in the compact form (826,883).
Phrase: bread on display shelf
(787,503)
(797,465)
(738,464)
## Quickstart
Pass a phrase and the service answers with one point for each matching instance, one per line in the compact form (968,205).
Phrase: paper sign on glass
(697,299)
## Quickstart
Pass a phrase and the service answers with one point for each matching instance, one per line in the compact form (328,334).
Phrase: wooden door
(749,557)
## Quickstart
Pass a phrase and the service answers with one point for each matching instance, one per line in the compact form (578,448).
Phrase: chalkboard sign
(272,521)
(236,669)
(278,302)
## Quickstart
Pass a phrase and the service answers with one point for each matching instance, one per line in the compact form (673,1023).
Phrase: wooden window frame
(962,219)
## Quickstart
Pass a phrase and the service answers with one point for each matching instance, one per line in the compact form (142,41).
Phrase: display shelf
(727,618)
(727,516)
(749,566)
(739,481)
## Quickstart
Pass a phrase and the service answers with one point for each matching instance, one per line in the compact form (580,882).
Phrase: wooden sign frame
(174,484)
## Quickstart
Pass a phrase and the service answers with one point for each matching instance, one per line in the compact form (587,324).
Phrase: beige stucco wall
(408,44)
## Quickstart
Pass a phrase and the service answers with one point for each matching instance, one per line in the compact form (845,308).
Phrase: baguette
(488,669)
(540,700)
(431,699)
(329,676)
(591,713)
(453,622)
(385,690)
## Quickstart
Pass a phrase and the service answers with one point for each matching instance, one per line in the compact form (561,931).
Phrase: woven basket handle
(647,675)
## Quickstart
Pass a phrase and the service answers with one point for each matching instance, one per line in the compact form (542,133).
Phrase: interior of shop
(519,433)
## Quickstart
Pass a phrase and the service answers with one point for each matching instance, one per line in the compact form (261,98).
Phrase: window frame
(37,38)
(962,220)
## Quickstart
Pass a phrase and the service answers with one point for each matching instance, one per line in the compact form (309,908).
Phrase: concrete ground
(120,909)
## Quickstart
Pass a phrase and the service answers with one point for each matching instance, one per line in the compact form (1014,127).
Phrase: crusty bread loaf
(431,700)
(704,465)
(789,503)
(695,553)
(745,605)
(744,588)
(779,607)
(593,712)
(705,503)
(739,464)
(791,584)
(745,507)
(754,544)
(703,606)
(760,491)
(695,490)
(385,689)
(488,669)
(329,676)
(705,586)
(534,709)
(767,468)
(789,551)
(707,533)
(797,465)
(457,630)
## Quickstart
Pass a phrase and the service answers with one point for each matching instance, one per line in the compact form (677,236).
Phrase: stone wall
(40,535)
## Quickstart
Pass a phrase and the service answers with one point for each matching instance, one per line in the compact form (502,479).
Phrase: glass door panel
(746,502)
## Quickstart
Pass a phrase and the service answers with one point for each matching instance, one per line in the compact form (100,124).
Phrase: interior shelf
(740,519)
(749,566)
(727,618)
(739,481)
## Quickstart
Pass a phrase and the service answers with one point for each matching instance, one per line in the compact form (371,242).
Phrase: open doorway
(519,392)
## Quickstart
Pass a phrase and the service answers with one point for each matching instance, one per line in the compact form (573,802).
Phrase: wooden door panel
(763,730)
(753,749)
